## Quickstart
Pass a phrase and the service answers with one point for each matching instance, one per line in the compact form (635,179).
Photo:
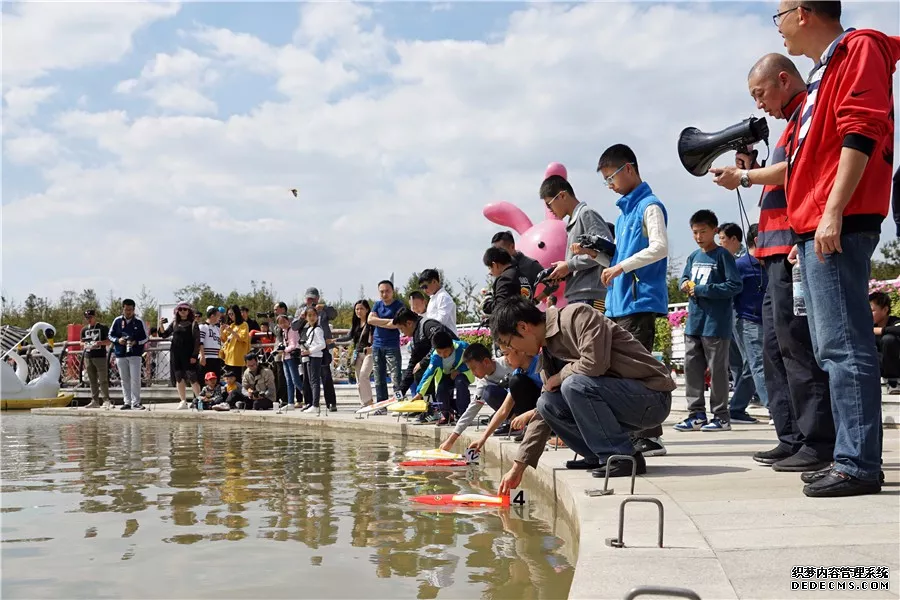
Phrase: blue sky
(398,122)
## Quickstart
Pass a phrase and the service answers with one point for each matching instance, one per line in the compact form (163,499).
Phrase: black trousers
(799,399)
(889,356)
(327,382)
(280,382)
(643,327)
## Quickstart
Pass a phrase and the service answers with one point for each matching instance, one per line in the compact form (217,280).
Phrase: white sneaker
(93,404)
(289,407)
(222,406)
(183,405)
(107,405)
(310,409)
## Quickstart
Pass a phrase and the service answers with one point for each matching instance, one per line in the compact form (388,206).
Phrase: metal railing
(156,368)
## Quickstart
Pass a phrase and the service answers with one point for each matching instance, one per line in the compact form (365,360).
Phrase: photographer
(252,324)
(799,399)
(325,314)
(185,349)
(94,337)
(508,281)
(288,350)
(581,272)
(258,384)
(281,394)
(128,335)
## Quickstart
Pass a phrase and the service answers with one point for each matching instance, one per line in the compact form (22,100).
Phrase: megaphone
(698,150)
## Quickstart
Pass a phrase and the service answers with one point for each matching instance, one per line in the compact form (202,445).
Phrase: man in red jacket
(838,191)
(799,400)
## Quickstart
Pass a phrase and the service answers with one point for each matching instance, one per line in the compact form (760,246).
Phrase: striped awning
(11,337)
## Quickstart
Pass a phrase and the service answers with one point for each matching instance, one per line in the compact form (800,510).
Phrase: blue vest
(644,290)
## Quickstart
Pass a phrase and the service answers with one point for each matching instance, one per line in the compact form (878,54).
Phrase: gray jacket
(583,283)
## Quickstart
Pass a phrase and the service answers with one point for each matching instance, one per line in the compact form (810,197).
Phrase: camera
(280,348)
(164,320)
(597,242)
(265,315)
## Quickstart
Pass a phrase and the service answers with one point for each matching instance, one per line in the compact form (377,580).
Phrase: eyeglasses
(777,19)
(609,180)
(553,199)
(182,309)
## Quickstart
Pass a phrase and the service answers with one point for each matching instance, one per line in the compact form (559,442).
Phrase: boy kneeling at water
(509,384)
(447,360)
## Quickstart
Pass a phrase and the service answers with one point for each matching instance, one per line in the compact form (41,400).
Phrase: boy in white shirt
(497,382)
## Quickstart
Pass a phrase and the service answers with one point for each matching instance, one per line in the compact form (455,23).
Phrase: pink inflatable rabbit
(544,242)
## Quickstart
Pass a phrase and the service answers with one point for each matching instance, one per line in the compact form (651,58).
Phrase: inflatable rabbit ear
(556,168)
(507,215)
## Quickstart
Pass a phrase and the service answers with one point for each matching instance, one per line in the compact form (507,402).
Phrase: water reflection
(150,498)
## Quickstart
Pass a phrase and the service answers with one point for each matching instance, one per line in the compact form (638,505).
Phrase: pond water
(121,508)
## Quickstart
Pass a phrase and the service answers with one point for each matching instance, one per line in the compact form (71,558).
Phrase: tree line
(70,306)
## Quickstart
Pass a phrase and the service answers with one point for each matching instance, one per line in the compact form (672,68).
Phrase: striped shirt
(812,89)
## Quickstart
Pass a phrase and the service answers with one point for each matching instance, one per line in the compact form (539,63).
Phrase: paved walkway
(733,528)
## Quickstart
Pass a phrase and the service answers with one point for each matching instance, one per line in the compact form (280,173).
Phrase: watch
(745,179)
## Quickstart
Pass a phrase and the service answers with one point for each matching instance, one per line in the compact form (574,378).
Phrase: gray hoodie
(583,283)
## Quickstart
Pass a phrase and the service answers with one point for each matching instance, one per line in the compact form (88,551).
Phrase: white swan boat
(43,391)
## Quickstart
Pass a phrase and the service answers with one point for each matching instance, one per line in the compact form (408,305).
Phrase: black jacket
(420,348)
(509,284)
(185,338)
(527,267)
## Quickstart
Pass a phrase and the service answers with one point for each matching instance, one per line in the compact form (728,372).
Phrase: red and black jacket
(855,109)
(775,235)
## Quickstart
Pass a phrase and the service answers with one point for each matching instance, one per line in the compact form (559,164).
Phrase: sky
(156,143)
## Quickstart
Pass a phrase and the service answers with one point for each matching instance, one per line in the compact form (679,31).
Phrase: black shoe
(519,437)
(125,407)
(767,457)
(837,484)
(503,429)
(813,476)
(649,447)
(622,468)
(582,464)
(800,462)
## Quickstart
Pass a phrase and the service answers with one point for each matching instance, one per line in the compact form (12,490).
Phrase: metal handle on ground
(656,590)
(606,491)
(619,542)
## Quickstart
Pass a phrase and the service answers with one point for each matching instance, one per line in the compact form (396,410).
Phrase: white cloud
(30,148)
(393,176)
(174,82)
(41,37)
(23,102)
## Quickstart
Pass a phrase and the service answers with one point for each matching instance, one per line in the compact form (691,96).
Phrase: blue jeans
(384,359)
(292,379)
(749,338)
(840,324)
(593,415)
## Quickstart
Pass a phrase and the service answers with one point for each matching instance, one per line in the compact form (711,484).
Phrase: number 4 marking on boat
(518,497)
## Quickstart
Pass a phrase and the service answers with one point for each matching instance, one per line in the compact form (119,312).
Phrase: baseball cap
(312,292)
(90,312)
(209,376)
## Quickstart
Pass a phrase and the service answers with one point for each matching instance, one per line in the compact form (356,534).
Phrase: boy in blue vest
(637,290)
(711,280)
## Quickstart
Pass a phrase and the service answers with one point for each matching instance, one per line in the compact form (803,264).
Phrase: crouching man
(600,383)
